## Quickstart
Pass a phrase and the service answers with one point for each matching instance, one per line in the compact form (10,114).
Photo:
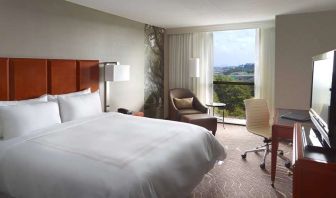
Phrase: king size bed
(102,155)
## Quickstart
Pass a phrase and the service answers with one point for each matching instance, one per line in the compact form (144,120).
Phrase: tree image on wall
(154,71)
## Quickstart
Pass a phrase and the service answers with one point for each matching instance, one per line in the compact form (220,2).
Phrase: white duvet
(110,155)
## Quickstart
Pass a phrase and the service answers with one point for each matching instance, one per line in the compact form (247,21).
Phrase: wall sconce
(194,73)
(113,72)
(194,67)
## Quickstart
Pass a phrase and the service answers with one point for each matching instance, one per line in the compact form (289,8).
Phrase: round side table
(216,105)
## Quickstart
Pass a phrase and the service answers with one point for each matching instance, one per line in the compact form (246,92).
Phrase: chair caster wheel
(287,164)
(262,166)
(243,156)
(281,153)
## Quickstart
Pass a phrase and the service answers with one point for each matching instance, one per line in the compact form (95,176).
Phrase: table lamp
(113,72)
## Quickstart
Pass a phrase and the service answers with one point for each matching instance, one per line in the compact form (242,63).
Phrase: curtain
(182,47)
(265,66)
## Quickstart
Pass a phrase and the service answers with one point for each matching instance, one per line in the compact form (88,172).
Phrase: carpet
(244,178)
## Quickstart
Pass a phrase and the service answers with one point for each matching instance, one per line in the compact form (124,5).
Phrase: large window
(234,60)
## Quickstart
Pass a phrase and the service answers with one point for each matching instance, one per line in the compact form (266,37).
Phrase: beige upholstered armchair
(174,113)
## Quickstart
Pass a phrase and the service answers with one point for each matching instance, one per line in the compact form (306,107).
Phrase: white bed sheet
(110,155)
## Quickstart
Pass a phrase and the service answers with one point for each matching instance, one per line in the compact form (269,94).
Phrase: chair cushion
(189,111)
(265,131)
(183,103)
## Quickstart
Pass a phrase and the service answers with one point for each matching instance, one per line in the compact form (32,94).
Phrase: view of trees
(234,57)
(233,95)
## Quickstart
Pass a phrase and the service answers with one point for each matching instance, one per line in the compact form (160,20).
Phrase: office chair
(258,123)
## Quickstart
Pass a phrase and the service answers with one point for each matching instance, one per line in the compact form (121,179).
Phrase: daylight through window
(234,60)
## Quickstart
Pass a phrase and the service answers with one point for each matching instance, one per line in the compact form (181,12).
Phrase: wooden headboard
(25,78)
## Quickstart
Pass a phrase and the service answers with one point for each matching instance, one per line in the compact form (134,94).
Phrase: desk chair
(258,123)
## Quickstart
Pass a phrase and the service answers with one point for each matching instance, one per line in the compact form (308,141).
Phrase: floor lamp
(113,72)
(194,72)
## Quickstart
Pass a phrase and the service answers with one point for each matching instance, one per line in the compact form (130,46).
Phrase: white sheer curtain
(265,66)
(182,47)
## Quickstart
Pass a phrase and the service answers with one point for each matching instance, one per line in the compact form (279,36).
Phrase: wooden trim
(62,76)
(312,177)
(88,74)
(49,78)
(26,78)
(4,79)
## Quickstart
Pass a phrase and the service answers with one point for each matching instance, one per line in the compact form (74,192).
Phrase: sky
(234,47)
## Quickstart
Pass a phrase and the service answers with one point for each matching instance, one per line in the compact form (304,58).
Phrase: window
(234,60)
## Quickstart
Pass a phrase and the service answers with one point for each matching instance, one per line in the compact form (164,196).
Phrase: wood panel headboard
(25,78)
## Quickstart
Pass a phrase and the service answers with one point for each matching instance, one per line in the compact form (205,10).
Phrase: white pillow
(53,98)
(23,119)
(80,106)
(42,98)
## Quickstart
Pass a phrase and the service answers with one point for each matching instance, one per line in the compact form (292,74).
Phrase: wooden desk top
(286,122)
(282,129)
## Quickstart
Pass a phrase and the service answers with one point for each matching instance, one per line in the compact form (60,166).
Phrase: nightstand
(140,114)
(129,112)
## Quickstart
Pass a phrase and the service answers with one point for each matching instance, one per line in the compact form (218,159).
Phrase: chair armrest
(199,106)
(173,111)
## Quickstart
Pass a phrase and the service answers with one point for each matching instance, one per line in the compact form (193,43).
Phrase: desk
(314,173)
(281,129)
(219,106)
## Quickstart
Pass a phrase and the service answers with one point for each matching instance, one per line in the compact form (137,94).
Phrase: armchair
(174,113)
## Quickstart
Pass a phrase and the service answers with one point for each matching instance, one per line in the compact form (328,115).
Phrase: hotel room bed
(58,145)
(109,155)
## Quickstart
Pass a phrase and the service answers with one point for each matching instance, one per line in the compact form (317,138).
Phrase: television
(323,97)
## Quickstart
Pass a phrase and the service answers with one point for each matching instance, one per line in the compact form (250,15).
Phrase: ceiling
(186,13)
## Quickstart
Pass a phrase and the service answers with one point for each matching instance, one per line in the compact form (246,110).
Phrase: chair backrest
(183,93)
(257,114)
(180,93)
(177,93)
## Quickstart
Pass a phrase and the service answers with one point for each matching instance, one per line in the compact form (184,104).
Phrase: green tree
(232,95)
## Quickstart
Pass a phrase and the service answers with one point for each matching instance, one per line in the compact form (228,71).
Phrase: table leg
(275,145)
(223,119)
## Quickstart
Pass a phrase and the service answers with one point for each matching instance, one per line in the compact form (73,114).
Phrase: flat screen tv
(323,97)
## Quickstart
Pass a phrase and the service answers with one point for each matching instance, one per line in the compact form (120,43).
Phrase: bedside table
(140,114)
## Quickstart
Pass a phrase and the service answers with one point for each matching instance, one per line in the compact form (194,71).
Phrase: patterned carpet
(243,178)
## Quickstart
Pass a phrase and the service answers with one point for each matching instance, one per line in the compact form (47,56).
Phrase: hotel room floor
(243,178)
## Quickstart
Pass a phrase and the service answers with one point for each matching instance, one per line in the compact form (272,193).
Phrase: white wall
(299,37)
(62,30)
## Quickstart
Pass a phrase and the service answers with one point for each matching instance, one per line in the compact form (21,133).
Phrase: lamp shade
(117,72)
(194,67)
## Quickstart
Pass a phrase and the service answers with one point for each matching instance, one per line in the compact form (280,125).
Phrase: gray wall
(299,37)
(59,29)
